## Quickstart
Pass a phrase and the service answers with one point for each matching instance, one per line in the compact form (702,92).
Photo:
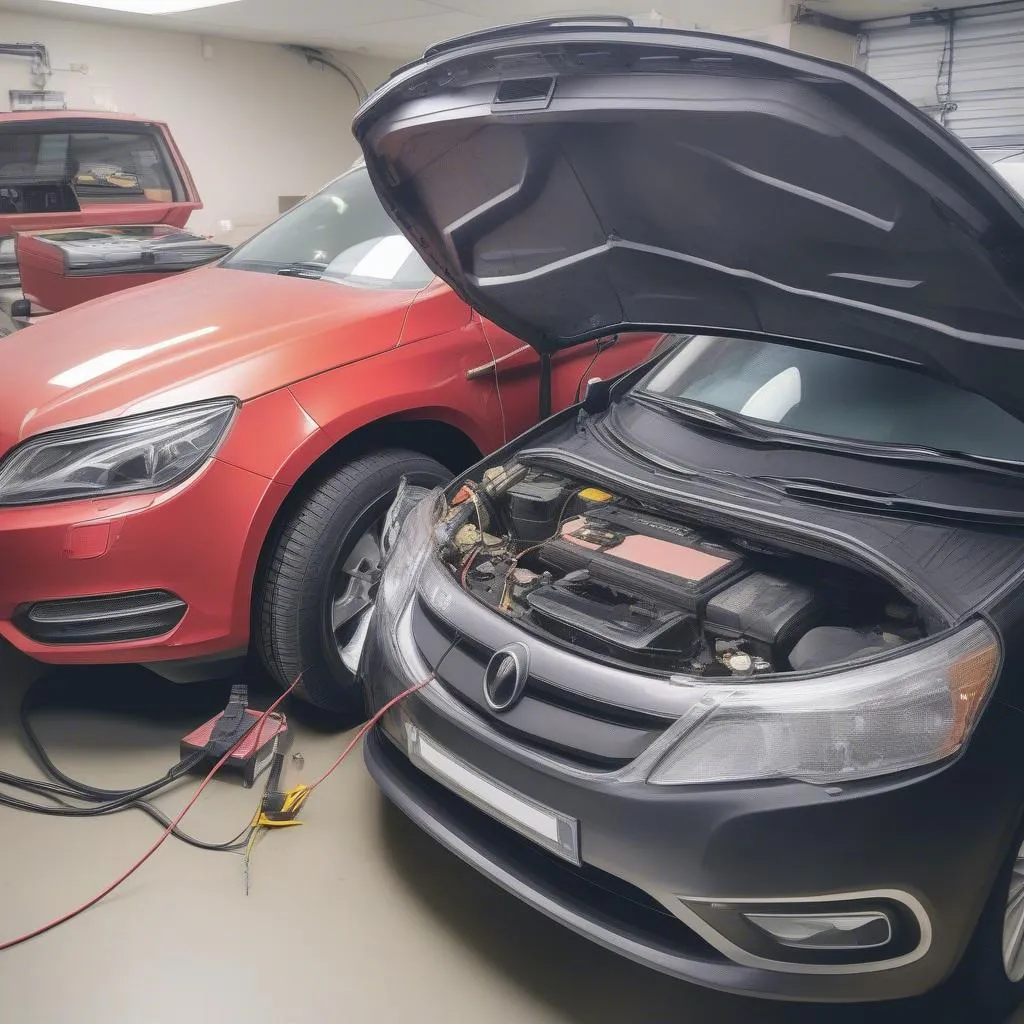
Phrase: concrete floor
(355,916)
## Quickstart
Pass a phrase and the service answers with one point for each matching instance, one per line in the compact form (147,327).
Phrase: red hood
(208,333)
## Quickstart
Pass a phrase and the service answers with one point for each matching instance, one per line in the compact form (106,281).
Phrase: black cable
(602,345)
(583,375)
(110,801)
(30,701)
(315,56)
(50,791)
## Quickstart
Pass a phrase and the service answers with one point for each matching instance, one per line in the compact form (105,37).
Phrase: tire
(305,591)
(980,986)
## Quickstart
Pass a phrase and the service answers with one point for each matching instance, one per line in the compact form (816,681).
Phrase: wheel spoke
(1013,940)
(353,585)
(349,606)
(1013,923)
(351,651)
(1016,898)
(365,556)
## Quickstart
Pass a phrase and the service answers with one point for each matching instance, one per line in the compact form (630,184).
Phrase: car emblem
(505,677)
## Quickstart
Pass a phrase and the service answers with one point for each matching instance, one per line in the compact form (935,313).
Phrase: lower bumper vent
(102,620)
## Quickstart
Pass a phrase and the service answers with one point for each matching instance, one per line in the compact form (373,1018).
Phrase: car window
(836,395)
(102,166)
(341,234)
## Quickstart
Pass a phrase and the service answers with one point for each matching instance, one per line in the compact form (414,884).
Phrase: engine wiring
(504,602)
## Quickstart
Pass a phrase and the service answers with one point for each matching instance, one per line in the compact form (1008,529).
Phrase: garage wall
(813,40)
(823,42)
(966,69)
(253,121)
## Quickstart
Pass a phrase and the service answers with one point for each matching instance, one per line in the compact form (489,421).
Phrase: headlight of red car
(150,452)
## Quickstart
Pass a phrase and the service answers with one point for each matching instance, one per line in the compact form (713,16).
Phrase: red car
(202,464)
(92,203)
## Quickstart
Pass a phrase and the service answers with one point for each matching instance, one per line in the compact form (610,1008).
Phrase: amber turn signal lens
(969,681)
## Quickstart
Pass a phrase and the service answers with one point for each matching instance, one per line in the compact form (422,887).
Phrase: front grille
(582,889)
(109,618)
(584,732)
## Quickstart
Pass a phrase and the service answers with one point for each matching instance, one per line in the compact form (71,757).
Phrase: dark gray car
(721,668)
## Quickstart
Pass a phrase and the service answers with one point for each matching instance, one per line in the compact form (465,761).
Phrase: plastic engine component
(598,618)
(829,645)
(535,507)
(762,608)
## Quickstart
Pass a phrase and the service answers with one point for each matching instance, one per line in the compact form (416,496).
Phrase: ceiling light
(148,6)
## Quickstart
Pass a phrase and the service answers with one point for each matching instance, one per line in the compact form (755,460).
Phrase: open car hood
(573,179)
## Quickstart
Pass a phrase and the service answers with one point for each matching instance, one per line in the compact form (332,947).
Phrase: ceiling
(866,10)
(403,28)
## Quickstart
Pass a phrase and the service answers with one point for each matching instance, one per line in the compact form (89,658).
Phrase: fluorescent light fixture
(148,6)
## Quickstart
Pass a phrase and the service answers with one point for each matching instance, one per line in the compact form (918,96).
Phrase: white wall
(813,40)
(823,42)
(253,122)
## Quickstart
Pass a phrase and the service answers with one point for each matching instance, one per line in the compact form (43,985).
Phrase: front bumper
(198,543)
(650,855)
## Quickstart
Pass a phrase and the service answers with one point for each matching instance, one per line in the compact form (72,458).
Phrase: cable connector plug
(232,724)
(280,808)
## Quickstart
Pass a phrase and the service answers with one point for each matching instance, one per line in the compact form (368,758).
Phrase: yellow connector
(279,810)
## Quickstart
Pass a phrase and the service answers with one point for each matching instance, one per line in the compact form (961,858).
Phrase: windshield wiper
(303,269)
(706,416)
(700,415)
(854,499)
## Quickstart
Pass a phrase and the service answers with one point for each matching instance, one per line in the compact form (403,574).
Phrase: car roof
(30,116)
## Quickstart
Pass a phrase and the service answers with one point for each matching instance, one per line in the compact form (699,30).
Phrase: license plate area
(548,828)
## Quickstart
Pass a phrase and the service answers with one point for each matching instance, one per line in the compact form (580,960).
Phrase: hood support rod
(545,385)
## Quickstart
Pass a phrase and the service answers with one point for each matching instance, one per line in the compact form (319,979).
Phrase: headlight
(138,453)
(409,550)
(900,713)
(405,556)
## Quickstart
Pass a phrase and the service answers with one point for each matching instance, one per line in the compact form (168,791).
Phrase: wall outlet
(226,225)
(82,69)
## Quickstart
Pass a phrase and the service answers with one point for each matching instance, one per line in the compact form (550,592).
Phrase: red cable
(42,929)
(365,728)
(463,576)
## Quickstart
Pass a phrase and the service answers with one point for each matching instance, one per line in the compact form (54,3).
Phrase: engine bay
(608,576)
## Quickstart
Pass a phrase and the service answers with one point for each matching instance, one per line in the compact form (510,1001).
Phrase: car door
(516,368)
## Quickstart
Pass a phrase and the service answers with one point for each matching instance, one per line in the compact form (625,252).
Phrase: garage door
(966,68)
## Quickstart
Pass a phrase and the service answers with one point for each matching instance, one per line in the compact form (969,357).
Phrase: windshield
(341,234)
(837,396)
(102,166)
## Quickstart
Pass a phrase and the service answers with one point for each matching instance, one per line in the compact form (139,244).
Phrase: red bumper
(199,541)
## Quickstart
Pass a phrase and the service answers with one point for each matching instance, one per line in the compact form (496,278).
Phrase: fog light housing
(850,931)
(843,933)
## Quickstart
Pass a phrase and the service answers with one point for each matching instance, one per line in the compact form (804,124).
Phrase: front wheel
(989,983)
(313,601)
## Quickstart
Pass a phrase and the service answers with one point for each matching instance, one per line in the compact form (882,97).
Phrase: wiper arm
(303,269)
(707,416)
(861,500)
(770,434)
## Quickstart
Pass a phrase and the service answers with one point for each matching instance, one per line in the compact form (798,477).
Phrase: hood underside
(569,182)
